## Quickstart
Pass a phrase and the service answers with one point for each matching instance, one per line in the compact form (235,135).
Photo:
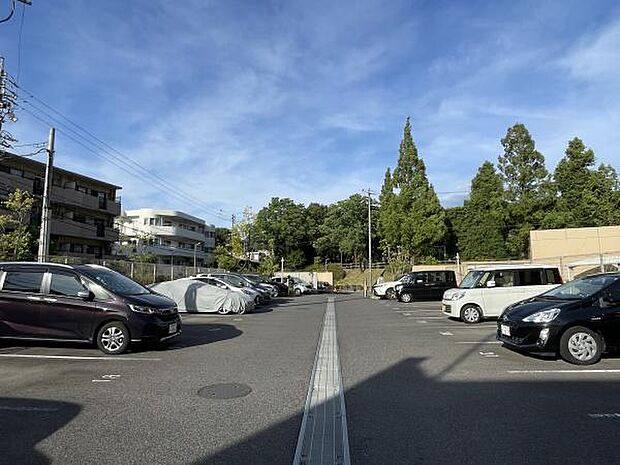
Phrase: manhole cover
(224,391)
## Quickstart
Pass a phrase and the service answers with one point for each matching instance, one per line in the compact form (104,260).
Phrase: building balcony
(70,228)
(72,197)
(173,231)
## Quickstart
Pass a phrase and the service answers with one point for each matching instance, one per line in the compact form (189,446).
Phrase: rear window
(553,276)
(530,277)
(23,281)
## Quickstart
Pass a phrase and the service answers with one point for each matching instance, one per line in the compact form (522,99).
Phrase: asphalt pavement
(418,388)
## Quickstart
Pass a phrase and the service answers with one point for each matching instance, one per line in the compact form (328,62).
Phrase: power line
(138,170)
(140,173)
(19,42)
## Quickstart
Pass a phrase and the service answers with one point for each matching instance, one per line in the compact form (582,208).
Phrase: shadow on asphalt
(402,416)
(26,422)
(198,334)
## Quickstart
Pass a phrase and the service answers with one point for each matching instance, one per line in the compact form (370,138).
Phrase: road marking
(477,342)
(27,409)
(604,415)
(237,319)
(422,321)
(323,437)
(102,380)
(73,357)
(111,376)
(523,372)
(489,354)
(446,333)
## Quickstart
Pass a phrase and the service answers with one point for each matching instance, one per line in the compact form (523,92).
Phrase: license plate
(172,328)
(505,330)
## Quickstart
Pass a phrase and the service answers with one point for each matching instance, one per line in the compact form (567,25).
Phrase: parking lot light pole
(195,247)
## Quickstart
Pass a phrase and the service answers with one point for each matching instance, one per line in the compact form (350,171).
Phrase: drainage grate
(224,391)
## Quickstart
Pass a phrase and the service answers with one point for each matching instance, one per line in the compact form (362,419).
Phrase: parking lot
(418,388)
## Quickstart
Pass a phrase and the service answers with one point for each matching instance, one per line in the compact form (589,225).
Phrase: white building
(175,237)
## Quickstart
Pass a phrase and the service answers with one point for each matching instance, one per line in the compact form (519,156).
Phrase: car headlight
(543,317)
(141,309)
(456,295)
(398,287)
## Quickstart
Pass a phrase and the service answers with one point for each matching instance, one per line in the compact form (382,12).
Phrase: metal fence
(144,273)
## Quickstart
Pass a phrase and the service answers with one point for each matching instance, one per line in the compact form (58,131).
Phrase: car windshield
(580,288)
(115,281)
(232,280)
(471,279)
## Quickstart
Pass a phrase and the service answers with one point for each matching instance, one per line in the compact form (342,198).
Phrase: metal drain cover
(224,391)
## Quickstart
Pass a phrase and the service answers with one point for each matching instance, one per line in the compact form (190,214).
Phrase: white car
(231,285)
(387,289)
(486,292)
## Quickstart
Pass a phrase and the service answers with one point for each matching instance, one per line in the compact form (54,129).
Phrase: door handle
(32,297)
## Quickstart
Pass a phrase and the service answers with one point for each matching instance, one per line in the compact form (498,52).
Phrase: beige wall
(574,242)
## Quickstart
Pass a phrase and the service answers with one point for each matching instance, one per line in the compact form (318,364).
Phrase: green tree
(528,189)
(281,226)
(412,218)
(345,229)
(481,231)
(586,197)
(16,237)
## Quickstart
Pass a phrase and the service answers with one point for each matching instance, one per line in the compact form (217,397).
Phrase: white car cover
(197,297)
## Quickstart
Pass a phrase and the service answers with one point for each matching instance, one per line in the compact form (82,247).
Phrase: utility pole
(44,235)
(8,97)
(369,193)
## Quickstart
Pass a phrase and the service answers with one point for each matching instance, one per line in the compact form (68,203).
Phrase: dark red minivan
(86,303)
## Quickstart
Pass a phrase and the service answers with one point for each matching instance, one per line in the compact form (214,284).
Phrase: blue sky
(239,101)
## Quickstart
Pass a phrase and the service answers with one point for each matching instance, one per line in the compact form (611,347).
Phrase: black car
(425,285)
(82,303)
(578,320)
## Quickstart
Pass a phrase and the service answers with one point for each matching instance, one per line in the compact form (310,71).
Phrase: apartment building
(173,236)
(83,208)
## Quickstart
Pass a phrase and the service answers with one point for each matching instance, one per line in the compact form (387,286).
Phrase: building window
(16,172)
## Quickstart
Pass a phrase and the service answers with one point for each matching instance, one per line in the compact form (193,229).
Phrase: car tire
(297,292)
(276,293)
(390,294)
(471,314)
(406,297)
(113,338)
(581,346)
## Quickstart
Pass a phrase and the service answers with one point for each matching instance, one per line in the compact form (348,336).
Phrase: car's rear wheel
(390,294)
(581,346)
(297,292)
(406,297)
(113,338)
(471,314)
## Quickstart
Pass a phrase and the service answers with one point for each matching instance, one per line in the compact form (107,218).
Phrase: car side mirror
(490,283)
(86,295)
(610,299)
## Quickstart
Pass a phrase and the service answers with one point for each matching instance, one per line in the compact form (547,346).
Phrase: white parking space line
(613,415)
(74,357)
(446,333)
(477,342)
(488,354)
(323,437)
(583,371)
